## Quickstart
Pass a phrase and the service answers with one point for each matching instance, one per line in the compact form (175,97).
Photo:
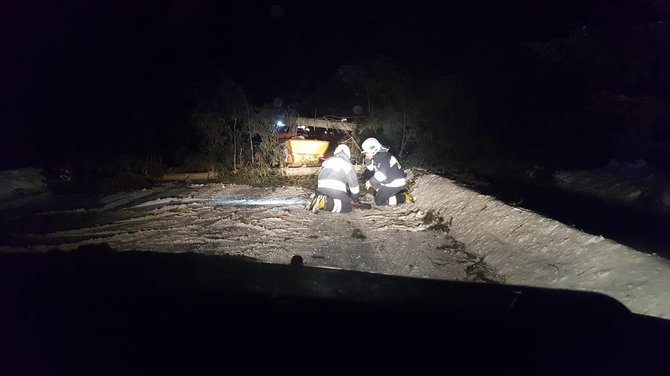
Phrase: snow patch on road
(529,249)
(450,232)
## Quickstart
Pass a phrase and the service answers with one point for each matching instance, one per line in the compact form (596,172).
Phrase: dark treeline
(144,89)
(573,102)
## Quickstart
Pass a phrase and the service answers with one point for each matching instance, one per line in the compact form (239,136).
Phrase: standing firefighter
(384,174)
(337,185)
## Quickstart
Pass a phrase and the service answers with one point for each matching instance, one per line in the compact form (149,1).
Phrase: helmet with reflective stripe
(371,146)
(342,148)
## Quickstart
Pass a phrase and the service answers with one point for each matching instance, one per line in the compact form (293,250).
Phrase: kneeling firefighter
(337,184)
(384,174)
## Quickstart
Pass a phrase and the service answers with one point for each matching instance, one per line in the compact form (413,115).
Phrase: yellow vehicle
(305,153)
(305,149)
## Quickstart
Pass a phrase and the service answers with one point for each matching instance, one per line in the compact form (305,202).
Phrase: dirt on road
(449,233)
(265,224)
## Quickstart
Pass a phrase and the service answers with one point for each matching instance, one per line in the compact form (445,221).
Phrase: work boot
(311,201)
(319,203)
(408,197)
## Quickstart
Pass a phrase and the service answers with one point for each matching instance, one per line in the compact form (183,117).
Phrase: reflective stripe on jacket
(336,176)
(387,171)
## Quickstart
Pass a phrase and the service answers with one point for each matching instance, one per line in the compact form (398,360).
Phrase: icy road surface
(265,224)
(449,233)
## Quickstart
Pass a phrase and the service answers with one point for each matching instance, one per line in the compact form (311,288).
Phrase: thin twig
(517,227)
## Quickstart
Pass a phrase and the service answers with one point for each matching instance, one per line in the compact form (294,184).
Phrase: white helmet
(342,148)
(372,146)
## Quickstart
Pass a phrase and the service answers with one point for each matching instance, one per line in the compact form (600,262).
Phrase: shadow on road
(98,311)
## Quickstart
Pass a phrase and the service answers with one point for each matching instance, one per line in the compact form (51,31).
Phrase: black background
(106,77)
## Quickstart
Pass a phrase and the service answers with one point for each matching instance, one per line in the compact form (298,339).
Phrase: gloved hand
(368,185)
(367,161)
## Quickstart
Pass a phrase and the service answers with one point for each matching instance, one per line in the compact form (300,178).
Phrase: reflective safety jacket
(336,177)
(384,170)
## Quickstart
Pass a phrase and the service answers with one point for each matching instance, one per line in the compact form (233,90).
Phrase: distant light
(280,123)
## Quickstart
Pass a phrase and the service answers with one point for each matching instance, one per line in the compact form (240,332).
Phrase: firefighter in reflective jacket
(384,174)
(337,184)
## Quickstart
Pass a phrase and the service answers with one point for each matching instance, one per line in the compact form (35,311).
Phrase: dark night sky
(86,59)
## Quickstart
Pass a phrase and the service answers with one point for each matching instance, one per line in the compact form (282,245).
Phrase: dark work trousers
(338,201)
(338,206)
(384,193)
